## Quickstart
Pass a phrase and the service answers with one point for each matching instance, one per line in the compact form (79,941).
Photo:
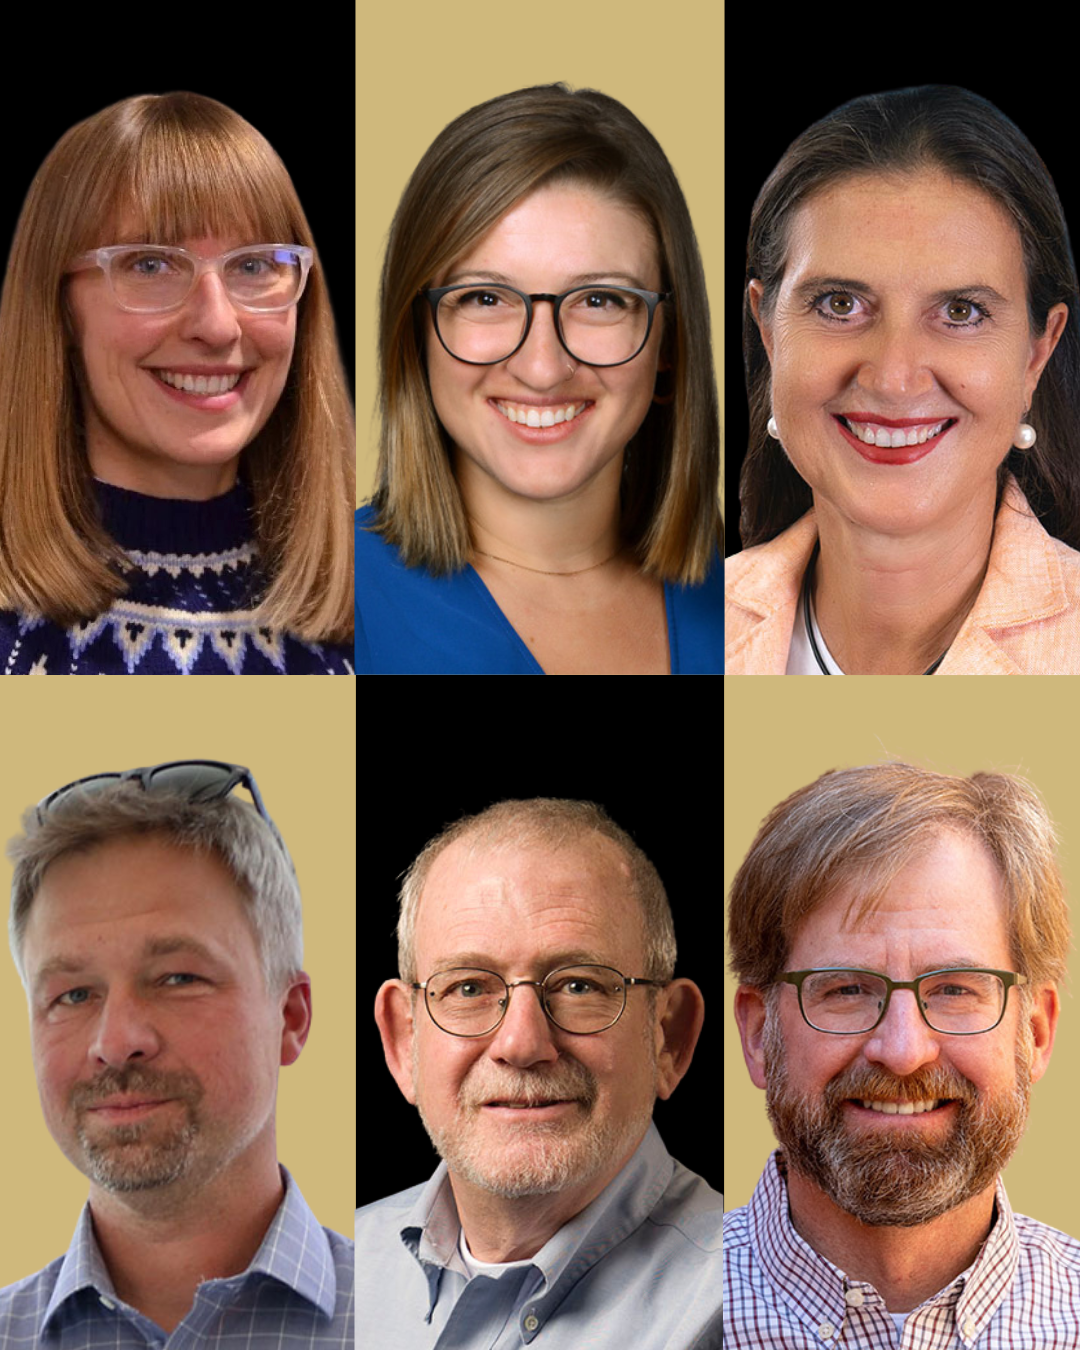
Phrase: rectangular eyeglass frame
(1007,977)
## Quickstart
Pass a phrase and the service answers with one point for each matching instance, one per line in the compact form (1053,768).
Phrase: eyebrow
(551,961)
(946,963)
(814,286)
(159,946)
(582,279)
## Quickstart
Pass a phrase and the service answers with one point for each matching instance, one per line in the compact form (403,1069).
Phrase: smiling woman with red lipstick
(547,495)
(913,364)
(177,448)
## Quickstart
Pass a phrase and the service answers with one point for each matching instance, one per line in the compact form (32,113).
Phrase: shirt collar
(819,1293)
(430,1230)
(294,1251)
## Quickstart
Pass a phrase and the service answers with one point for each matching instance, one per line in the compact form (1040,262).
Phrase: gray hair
(229,827)
(551,822)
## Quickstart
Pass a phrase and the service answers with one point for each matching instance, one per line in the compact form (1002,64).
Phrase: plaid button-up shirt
(1022,1292)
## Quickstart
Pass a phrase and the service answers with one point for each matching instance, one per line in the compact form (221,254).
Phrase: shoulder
(23,1306)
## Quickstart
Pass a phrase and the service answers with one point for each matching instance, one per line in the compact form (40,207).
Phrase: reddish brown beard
(894,1181)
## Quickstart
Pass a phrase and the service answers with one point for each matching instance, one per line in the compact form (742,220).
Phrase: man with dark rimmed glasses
(898,935)
(156,926)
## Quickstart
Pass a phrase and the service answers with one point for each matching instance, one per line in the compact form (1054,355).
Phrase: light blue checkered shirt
(638,1269)
(297,1292)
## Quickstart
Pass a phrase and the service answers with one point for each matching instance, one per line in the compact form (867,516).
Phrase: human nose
(123,1031)
(208,312)
(894,363)
(525,1035)
(902,1041)
(542,361)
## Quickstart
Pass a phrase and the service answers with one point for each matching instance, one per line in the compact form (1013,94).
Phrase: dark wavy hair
(478,168)
(906,130)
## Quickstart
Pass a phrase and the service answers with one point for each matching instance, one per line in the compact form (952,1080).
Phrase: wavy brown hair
(861,826)
(477,169)
(906,131)
(177,165)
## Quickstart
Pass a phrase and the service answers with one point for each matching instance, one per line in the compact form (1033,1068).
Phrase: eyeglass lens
(579,998)
(158,278)
(601,326)
(953,1000)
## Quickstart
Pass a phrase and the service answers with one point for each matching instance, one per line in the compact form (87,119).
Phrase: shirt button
(107,1301)
(854,1298)
(826,1331)
(969,1328)
(531,1322)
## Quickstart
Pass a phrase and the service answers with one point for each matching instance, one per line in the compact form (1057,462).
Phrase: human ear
(393,1016)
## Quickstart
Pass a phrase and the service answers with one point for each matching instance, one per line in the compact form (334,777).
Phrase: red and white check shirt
(1022,1292)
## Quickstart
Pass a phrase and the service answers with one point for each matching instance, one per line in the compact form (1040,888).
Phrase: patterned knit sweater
(189,606)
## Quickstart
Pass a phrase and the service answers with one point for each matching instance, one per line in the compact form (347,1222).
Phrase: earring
(770,427)
(1025,437)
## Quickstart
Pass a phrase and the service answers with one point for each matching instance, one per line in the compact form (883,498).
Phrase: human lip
(541,1110)
(894,442)
(539,413)
(891,1109)
(127,1108)
(210,389)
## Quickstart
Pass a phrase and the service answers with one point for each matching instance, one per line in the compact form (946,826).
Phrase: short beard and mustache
(538,1158)
(895,1181)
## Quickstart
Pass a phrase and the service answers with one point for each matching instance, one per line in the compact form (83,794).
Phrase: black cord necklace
(807,582)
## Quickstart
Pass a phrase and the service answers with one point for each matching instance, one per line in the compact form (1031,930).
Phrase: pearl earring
(1025,437)
(771,428)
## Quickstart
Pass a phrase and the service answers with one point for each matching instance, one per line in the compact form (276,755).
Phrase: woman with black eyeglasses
(547,488)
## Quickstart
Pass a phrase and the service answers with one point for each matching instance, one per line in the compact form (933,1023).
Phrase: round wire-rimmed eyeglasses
(629,298)
(473,1002)
(956,1001)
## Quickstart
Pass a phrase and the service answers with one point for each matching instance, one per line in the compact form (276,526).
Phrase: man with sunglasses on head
(156,926)
(898,935)
(535,1023)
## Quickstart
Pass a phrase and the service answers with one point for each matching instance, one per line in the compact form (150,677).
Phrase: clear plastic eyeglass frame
(103,258)
(541,993)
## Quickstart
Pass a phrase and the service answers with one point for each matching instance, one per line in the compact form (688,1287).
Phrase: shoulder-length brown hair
(178,165)
(477,169)
(906,130)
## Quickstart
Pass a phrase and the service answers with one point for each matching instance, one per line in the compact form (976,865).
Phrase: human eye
(145,265)
(964,313)
(188,978)
(837,306)
(69,999)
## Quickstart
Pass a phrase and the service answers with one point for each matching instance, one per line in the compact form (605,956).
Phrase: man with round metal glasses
(898,935)
(535,1022)
(156,926)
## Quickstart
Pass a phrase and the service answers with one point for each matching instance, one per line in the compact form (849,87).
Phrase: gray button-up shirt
(638,1269)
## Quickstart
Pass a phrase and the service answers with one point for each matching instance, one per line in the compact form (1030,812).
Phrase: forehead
(560,232)
(914,231)
(947,905)
(111,896)
(519,903)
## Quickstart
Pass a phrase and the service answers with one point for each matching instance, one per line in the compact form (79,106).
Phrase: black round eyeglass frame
(184,776)
(1007,977)
(541,992)
(651,298)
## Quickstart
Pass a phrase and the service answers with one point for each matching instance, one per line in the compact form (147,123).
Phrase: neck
(160,1245)
(892,604)
(567,534)
(905,1265)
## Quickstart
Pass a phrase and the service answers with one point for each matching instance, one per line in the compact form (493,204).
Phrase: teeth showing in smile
(200,384)
(539,417)
(901,1108)
(894,437)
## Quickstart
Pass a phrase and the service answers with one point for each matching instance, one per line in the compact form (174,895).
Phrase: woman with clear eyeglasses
(547,491)
(177,444)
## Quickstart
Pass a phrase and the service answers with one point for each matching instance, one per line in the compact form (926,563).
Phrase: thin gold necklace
(541,571)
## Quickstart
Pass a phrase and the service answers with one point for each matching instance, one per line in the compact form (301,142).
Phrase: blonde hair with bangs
(170,166)
(483,164)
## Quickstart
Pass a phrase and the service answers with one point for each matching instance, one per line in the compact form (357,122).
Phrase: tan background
(299,742)
(782,734)
(419,68)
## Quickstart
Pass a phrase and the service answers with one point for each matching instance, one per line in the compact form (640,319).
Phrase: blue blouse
(410,622)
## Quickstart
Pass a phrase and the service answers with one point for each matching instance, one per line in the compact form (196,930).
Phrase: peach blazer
(1025,621)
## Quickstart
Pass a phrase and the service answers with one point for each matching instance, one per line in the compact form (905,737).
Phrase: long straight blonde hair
(477,169)
(176,165)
